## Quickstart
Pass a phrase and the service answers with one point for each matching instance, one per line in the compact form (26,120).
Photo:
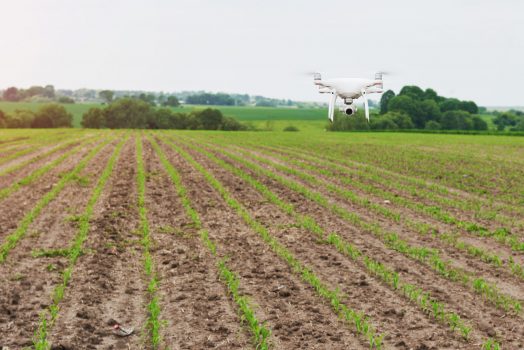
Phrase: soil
(109,285)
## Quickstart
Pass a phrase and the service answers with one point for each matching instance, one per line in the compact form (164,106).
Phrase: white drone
(348,89)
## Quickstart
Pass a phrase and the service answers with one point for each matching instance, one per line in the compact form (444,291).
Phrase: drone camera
(349,109)
(317,76)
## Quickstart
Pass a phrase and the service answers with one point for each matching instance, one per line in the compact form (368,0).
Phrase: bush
(456,120)
(291,128)
(52,116)
(3,120)
(231,124)
(20,119)
(65,99)
(128,113)
(211,119)
(94,118)
(432,125)
(479,123)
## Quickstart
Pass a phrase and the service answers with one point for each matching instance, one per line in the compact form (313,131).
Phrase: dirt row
(469,305)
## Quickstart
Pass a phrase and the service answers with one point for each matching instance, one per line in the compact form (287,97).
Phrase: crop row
(420,227)
(12,239)
(430,257)
(415,186)
(73,252)
(153,321)
(40,156)
(259,331)
(386,274)
(360,321)
(29,179)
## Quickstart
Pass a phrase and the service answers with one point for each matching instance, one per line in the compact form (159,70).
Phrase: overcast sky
(467,49)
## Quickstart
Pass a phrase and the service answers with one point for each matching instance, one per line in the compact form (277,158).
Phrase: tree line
(414,108)
(47,116)
(132,113)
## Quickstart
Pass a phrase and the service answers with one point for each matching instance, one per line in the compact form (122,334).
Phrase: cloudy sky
(471,49)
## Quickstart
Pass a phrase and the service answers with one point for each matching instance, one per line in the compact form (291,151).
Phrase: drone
(348,89)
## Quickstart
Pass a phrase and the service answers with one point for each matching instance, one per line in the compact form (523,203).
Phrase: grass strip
(11,240)
(357,318)
(40,341)
(260,332)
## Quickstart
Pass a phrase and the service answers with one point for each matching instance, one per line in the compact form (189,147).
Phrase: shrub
(94,118)
(432,125)
(52,116)
(291,128)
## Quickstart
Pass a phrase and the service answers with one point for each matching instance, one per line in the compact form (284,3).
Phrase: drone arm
(331,110)
(366,107)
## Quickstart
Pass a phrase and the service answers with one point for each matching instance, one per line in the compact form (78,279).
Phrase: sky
(469,49)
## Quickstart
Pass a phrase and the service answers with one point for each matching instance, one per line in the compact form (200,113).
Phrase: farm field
(260,240)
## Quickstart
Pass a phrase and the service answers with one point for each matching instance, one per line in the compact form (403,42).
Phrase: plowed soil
(109,285)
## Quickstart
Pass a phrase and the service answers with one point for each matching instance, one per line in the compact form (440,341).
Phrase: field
(260,240)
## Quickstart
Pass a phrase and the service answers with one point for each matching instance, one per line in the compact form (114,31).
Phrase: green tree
(211,119)
(407,105)
(128,113)
(49,91)
(52,116)
(3,119)
(479,123)
(469,106)
(171,101)
(505,119)
(449,104)
(94,118)
(106,95)
(456,120)
(20,119)
(432,125)
(430,94)
(412,91)
(384,100)
(430,111)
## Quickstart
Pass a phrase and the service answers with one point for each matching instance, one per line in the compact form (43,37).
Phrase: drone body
(348,89)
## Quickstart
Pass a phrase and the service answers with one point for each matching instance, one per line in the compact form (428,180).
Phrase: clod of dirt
(111,322)
(82,314)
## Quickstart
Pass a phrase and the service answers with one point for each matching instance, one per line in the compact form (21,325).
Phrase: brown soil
(464,301)
(108,283)
(32,280)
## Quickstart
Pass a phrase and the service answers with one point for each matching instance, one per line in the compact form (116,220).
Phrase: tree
(432,125)
(94,118)
(171,101)
(65,99)
(449,104)
(456,120)
(20,119)
(49,91)
(52,116)
(127,113)
(3,120)
(384,100)
(430,111)
(211,119)
(430,94)
(505,119)
(106,95)
(11,94)
(412,91)
(407,105)
(469,106)
(479,123)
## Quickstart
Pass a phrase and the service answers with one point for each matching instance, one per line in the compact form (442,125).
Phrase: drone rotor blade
(366,106)
(332,101)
